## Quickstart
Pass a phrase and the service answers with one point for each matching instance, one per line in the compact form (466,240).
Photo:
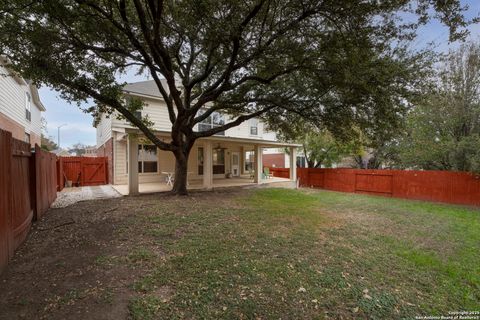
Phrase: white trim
(263,143)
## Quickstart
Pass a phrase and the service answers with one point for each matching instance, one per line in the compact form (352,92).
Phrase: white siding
(243,131)
(36,124)
(166,162)
(12,103)
(104,130)
(120,159)
(157,112)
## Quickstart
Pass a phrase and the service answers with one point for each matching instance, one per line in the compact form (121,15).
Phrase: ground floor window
(218,161)
(200,161)
(27,138)
(147,158)
(249,161)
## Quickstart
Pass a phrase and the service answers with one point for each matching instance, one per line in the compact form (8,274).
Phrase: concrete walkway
(70,196)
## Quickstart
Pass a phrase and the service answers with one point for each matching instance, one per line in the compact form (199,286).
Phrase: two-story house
(229,156)
(20,106)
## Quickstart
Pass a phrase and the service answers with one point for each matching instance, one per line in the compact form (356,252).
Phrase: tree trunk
(181,173)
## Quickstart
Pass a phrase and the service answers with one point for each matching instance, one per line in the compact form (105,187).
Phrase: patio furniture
(169,178)
(266,173)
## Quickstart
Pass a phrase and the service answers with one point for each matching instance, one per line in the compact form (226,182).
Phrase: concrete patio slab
(217,183)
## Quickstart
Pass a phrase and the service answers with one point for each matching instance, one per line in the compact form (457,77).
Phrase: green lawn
(311,254)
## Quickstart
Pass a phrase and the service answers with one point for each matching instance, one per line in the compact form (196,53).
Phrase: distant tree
(379,152)
(78,149)
(47,143)
(325,60)
(443,131)
(319,146)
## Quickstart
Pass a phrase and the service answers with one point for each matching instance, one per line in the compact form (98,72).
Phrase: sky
(77,125)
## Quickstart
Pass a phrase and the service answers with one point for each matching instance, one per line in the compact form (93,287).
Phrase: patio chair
(266,173)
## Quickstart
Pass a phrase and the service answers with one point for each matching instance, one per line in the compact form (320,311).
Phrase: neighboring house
(20,106)
(90,151)
(62,153)
(230,154)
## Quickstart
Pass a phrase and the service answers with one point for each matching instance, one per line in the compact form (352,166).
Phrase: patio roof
(208,171)
(253,141)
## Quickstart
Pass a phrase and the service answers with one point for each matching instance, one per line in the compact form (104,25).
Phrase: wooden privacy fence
(442,186)
(280,172)
(82,171)
(28,187)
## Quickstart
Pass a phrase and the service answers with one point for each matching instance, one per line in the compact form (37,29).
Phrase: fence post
(6,223)
(106,171)
(33,184)
(38,179)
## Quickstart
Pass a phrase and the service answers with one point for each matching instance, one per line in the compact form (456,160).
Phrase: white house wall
(166,162)
(12,103)
(104,130)
(157,112)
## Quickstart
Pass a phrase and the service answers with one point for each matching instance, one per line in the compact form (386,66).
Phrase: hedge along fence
(28,187)
(442,186)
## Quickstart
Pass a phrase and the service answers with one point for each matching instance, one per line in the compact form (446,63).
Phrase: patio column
(207,165)
(132,164)
(242,160)
(258,164)
(293,163)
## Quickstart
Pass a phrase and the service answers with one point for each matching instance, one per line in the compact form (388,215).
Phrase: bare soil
(60,271)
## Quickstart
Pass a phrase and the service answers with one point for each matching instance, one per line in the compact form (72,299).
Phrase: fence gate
(84,171)
(94,171)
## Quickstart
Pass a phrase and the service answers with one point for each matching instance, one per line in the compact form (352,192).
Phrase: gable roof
(145,88)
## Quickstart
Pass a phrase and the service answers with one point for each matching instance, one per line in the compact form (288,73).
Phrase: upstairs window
(254,127)
(28,106)
(212,121)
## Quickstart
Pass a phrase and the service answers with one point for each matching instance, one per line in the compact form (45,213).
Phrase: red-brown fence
(45,180)
(82,171)
(28,187)
(280,172)
(442,186)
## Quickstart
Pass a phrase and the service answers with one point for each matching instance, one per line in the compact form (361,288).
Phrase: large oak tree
(321,59)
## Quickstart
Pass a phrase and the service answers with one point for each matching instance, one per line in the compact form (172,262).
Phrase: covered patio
(154,187)
(218,162)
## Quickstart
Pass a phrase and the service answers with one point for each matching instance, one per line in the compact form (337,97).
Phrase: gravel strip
(69,196)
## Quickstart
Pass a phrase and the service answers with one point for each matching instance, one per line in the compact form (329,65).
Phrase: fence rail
(441,186)
(28,187)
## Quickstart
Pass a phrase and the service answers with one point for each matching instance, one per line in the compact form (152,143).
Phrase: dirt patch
(72,265)
(81,261)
